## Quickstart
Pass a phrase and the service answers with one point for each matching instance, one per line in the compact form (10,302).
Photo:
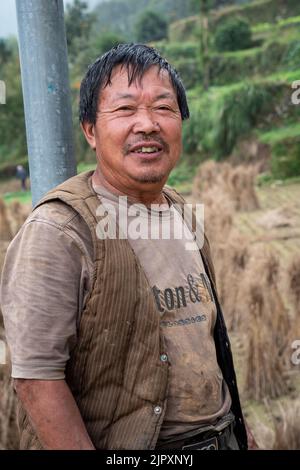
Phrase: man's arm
(54,414)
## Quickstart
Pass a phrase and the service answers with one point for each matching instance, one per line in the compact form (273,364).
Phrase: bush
(285,161)
(150,27)
(233,35)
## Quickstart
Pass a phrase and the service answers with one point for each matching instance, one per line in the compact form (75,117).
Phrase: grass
(289,76)
(24,197)
(266,27)
(266,179)
(81,167)
(243,54)
(278,134)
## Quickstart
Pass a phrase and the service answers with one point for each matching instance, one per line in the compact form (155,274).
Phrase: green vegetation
(278,134)
(285,145)
(268,27)
(182,172)
(78,23)
(120,16)
(256,12)
(23,197)
(150,26)
(233,35)
(259,11)
(226,114)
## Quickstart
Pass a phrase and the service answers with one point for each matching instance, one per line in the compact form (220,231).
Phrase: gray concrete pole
(46,91)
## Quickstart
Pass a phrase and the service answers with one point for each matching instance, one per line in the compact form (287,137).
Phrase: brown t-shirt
(53,252)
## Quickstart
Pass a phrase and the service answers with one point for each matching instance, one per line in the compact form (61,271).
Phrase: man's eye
(164,108)
(125,108)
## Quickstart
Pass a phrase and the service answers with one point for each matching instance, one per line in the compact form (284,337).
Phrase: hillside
(250,90)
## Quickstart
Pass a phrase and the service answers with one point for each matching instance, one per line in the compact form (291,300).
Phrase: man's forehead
(152,77)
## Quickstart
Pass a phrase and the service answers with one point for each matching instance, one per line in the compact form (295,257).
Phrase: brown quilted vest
(115,371)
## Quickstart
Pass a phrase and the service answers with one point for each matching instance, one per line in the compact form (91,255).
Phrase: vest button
(157,410)
(164,358)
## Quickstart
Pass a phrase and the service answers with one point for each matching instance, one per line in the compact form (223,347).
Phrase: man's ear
(89,132)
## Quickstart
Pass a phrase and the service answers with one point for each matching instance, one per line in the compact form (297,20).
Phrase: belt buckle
(208,444)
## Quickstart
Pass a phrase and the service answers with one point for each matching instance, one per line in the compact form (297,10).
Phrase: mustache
(146,138)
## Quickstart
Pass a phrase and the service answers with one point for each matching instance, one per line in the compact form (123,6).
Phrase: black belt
(204,441)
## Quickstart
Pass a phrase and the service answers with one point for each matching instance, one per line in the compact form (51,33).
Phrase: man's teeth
(147,150)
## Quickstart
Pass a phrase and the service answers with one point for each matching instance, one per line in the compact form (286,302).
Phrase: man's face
(137,135)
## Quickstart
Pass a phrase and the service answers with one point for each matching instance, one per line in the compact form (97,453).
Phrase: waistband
(206,438)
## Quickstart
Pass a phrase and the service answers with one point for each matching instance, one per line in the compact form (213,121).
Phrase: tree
(12,122)
(96,47)
(106,41)
(150,27)
(205,6)
(5,52)
(78,21)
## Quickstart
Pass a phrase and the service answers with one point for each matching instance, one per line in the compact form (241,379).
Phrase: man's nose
(145,122)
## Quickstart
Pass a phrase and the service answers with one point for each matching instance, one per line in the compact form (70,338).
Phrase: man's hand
(54,414)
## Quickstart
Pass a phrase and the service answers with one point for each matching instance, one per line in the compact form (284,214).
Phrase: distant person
(21,174)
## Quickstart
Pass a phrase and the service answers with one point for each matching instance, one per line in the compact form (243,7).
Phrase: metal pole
(46,91)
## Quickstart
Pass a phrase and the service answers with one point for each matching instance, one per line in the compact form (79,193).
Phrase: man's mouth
(147,149)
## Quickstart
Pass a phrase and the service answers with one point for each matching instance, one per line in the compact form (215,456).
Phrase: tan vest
(117,373)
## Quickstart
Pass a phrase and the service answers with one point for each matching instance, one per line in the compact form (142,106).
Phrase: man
(119,342)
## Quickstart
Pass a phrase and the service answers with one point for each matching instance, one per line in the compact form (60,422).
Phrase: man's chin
(149,178)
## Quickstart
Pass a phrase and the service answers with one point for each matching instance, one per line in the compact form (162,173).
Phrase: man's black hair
(137,58)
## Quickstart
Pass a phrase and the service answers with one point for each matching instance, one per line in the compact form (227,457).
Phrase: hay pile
(268,327)
(235,185)
(294,285)
(8,427)
(231,258)
(287,427)
(5,229)
(249,279)
(17,214)
(11,219)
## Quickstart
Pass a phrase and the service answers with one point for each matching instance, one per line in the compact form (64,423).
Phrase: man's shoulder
(55,212)
(173,194)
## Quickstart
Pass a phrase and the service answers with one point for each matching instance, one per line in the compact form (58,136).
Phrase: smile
(147,149)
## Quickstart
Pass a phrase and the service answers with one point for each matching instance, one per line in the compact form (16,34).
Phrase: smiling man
(120,342)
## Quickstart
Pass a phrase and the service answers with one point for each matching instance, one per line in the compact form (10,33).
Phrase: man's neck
(144,197)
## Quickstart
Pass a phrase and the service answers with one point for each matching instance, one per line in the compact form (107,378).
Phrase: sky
(8,20)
